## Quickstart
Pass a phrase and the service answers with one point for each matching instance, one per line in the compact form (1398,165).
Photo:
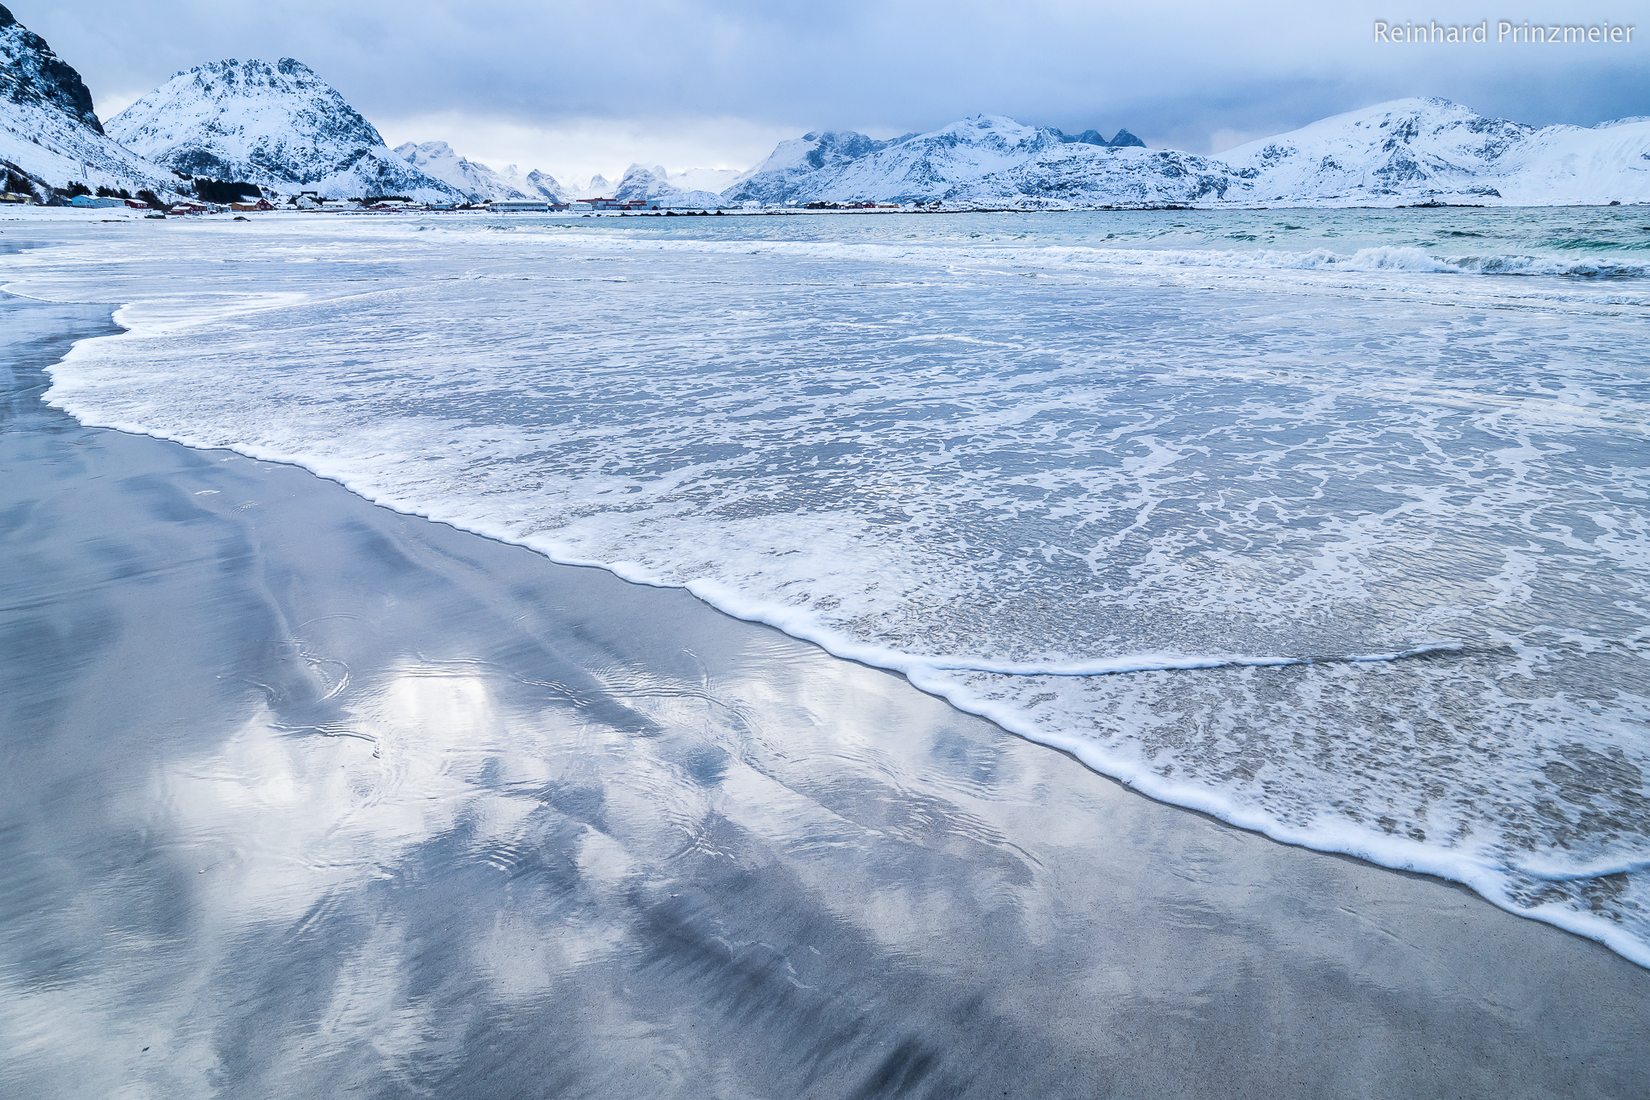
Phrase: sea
(1332,524)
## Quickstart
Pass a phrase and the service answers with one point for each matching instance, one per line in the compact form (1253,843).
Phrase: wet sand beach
(304,797)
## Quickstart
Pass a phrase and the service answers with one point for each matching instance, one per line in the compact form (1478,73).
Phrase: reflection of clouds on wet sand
(911,452)
(321,800)
(577,844)
(282,819)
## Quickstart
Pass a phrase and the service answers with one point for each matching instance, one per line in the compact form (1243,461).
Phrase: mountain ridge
(1419,149)
(475,180)
(280,126)
(50,135)
(50,81)
(275,124)
(653,185)
(982,159)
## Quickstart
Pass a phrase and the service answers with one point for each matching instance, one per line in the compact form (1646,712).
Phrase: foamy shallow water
(1328,524)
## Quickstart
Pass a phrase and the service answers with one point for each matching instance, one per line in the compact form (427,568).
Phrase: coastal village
(254,201)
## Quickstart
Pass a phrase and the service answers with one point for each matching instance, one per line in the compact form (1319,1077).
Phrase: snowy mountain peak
(982,159)
(789,171)
(33,74)
(1123,140)
(597,186)
(1415,111)
(49,135)
(538,184)
(476,181)
(998,129)
(1408,147)
(427,149)
(256,120)
(822,148)
(276,124)
(1418,149)
(654,185)
(997,133)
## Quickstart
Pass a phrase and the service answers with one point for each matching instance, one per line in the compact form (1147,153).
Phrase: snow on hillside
(1407,150)
(597,186)
(478,182)
(797,167)
(276,124)
(49,134)
(282,127)
(1082,175)
(1421,149)
(534,184)
(938,164)
(653,185)
(1576,165)
(985,159)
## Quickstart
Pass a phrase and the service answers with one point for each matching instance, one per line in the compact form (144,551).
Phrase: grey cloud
(1188,75)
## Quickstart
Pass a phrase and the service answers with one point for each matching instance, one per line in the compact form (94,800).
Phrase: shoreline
(782,871)
(115,214)
(1482,876)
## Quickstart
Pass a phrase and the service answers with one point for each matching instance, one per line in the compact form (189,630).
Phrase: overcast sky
(580,88)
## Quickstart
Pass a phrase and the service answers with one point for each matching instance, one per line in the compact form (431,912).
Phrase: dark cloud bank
(1196,75)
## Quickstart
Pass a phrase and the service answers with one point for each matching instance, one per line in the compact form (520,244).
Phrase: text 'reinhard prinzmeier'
(1504,32)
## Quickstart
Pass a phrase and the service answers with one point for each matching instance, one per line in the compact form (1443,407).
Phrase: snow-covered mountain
(800,166)
(1407,150)
(1123,140)
(1421,149)
(49,134)
(1578,165)
(1079,174)
(597,186)
(985,159)
(275,124)
(478,182)
(534,184)
(654,185)
(1410,147)
(282,127)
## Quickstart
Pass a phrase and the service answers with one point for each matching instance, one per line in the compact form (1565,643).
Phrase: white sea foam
(1177,662)
(1334,545)
(1052,259)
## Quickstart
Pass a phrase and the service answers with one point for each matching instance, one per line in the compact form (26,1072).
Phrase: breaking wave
(1170,662)
(1405,258)
(1287,559)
